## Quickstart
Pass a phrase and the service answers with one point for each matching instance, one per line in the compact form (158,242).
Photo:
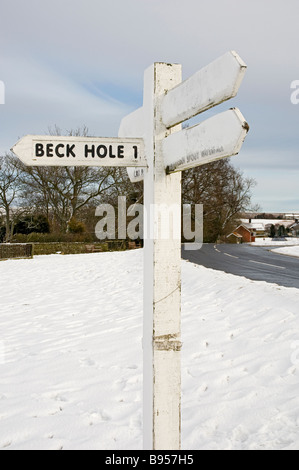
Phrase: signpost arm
(212,85)
(162,276)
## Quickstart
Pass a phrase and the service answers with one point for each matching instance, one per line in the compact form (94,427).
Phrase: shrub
(75,226)
(54,238)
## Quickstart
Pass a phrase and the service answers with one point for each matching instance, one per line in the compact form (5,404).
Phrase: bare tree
(9,193)
(224,193)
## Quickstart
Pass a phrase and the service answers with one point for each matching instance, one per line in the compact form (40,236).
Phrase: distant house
(250,229)
(244,233)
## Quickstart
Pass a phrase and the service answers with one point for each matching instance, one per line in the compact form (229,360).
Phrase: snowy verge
(289,251)
(275,242)
(71,356)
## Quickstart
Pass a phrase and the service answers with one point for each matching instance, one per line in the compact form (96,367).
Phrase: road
(256,263)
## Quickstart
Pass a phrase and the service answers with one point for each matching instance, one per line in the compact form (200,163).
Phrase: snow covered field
(71,356)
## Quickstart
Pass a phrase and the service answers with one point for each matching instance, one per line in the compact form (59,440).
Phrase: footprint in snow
(98,417)
(59,397)
(6,444)
(196,356)
(240,434)
(292,370)
(87,362)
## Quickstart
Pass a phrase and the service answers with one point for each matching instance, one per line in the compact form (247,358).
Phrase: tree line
(63,200)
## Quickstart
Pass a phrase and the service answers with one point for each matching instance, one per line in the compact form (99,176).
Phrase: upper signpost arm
(212,85)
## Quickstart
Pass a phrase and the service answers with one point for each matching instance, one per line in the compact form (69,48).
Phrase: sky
(72,63)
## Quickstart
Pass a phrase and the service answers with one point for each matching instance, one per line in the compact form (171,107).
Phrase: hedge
(76,248)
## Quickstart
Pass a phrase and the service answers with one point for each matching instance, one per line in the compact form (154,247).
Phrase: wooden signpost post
(152,140)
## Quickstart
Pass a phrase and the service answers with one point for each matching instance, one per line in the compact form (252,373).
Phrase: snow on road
(71,356)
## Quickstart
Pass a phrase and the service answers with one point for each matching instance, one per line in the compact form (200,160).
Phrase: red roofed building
(245,233)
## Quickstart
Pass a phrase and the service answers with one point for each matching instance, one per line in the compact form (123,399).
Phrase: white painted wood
(80,151)
(133,126)
(219,137)
(162,278)
(212,85)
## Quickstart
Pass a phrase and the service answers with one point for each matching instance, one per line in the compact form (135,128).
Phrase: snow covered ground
(71,356)
(270,242)
(290,251)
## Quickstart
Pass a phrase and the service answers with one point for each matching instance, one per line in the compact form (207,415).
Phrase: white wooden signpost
(154,131)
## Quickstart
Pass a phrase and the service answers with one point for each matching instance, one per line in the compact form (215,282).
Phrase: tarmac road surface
(256,263)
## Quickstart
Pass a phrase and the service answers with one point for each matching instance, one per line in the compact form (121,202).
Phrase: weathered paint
(80,151)
(219,137)
(212,85)
(162,279)
(162,269)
